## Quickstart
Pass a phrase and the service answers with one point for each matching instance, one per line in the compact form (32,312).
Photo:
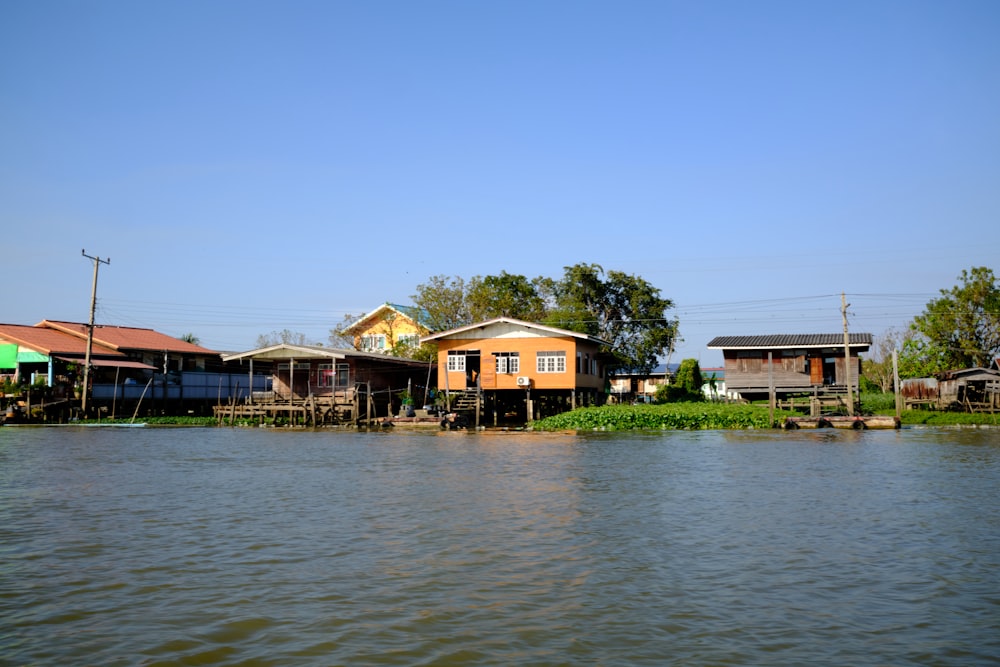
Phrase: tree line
(625,311)
(959,329)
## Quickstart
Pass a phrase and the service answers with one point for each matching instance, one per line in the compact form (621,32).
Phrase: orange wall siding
(528,349)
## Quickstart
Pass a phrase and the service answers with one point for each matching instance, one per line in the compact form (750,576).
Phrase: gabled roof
(52,342)
(770,342)
(508,324)
(410,312)
(973,372)
(127,338)
(285,351)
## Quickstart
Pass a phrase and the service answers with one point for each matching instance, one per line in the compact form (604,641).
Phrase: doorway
(472,369)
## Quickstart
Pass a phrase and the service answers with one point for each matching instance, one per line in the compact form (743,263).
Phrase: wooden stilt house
(313,385)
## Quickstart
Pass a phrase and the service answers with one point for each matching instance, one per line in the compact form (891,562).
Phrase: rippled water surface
(244,547)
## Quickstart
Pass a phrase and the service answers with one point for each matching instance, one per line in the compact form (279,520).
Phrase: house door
(816,370)
(472,369)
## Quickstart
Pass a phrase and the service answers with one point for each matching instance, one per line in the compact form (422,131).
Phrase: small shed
(974,389)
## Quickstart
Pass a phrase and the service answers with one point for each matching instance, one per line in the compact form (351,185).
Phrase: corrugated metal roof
(773,341)
(128,338)
(51,341)
(512,322)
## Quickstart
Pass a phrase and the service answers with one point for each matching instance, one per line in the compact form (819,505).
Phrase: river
(185,546)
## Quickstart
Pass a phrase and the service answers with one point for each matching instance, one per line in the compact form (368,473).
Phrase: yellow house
(520,369)
(386,329)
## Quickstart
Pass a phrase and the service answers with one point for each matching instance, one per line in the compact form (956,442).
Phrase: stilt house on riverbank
(316,386)
(131,368)
(791,363)
(510,370)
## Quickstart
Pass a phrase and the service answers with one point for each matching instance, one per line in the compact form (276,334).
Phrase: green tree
(443,300)
(505,295)
(191,338)
(689,377)
(686,385)
(624,310)
(962,328)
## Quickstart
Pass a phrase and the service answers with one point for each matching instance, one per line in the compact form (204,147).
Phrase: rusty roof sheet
(773,341)
(128,338)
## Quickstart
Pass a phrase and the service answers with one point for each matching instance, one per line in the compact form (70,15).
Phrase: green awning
(31,357)
(8,356)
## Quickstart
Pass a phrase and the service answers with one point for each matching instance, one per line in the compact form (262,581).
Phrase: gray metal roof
(774,341)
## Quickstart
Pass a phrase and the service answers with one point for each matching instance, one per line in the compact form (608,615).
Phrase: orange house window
(551,362)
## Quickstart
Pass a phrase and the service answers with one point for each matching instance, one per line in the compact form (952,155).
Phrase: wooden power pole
(847,355)
(90,328)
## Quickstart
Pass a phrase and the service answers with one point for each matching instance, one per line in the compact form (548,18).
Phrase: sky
(250,167)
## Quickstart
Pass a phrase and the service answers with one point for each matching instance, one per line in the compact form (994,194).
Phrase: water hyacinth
(672,416)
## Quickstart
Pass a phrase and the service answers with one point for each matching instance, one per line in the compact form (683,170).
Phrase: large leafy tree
(961,328)
(443,301)
(624,310)
(505,295)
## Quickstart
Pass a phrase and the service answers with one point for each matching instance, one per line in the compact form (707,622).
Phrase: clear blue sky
(257,166)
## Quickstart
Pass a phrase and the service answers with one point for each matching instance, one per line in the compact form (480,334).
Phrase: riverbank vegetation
(884,403)
(675,416)
(706,415)
(672,416)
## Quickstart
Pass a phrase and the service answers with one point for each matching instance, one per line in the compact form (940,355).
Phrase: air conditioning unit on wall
(523,381)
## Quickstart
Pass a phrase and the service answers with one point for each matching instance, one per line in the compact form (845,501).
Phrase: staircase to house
(464,401)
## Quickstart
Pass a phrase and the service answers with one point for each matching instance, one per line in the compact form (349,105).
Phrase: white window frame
(456,361)
(553,361)
(508,363)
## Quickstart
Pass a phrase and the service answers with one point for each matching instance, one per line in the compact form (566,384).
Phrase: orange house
(520,370)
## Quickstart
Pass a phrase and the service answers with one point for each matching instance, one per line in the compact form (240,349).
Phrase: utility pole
(90,329)
(847,355)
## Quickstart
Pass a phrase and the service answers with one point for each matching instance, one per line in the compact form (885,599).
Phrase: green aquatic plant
(673,416)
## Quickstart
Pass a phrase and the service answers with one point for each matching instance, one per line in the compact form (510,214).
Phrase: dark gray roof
(774,341)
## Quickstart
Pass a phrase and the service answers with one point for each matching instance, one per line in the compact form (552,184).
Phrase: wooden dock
(310,411)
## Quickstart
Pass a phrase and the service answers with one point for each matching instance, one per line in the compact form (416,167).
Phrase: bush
(689,376)
(669,393)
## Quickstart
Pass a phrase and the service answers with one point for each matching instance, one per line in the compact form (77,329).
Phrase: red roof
(128,338)
(51,342)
